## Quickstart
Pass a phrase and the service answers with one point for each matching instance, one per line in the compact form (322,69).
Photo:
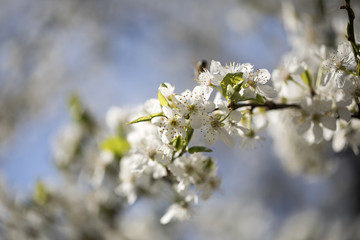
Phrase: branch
(350,35)
(268,105)
(272,106)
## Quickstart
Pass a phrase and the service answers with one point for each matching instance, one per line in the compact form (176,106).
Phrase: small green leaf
(307,78)
(189,133)
(162,99)
(233,94)
(146,118)
(40,196)
(177,143)
(231,79)
(117,145)
(199,149)
(209,164)
(260,99)
(79,113)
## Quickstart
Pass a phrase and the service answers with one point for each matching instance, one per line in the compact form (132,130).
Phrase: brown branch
(350,35)
(268,105)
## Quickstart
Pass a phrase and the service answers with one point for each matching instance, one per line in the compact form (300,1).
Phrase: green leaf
(233,94)
(209,164)
(79,113)
(260,99)
(117,145)
(189,133)
(307,78)
(40,196)
(231,79)
(177,143)
(162,99)
(146,118)
(199,149)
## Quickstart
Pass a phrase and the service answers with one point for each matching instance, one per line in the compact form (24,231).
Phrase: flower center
(192,108)
(174,122)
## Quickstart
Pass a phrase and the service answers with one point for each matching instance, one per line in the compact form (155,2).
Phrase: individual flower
(176,211)
(212,77)
(187,170)
(287,79)
(315,117)
(195,169)
(291,67)
(251,125)
(213,127)
(194,105)
(167,90)
(217,72)
(334,66)
(256,83)
(151,151)
(347,134)
(341,107)
(233,121)
(171,125)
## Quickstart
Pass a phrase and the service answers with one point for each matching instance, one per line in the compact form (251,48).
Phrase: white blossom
(170,126)
(342,58)
(176,212)
(213,127)
(314,118)
(347,134)
(194,105)
(257,84)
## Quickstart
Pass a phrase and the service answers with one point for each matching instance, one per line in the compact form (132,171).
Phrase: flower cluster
(321,108)
(165,147)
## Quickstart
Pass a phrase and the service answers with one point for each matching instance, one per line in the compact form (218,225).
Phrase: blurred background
(117,53)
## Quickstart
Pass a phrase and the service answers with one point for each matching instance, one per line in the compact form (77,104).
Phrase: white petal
(262,76)
(344,113)
(318,133)
(327,78)
(210,137)
(166,91)
(246,68)
(355,149)
(175,211)
(195,121)
(267,91)
(205,78)
(157,120)
(328,122)
(248,93)
(169,113)
(209,106)
(340,79)
(179,102)
(302,128)
(236,116)
(339,142)
(165,137)
(181,132)
(226,138)
(202,92)
(217,79)
(215,66)
(244,130)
